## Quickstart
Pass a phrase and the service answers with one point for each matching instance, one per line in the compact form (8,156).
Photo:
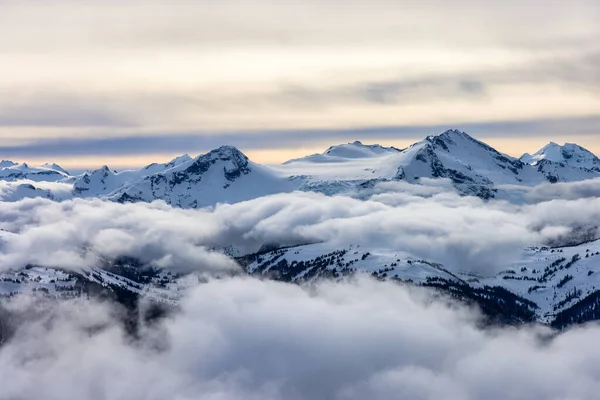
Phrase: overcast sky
(125,83)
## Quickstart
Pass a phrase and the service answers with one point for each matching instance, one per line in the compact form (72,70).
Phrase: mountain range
(555,283)
(227,175)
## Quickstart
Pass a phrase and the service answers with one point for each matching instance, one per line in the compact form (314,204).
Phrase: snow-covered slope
(552,279)
(55,167)
(222,175)
(100,182)
(473,167)
(558,285)
(347,152)
(104,181)
(226,175)
(11,171)
(569,154)
(566,163)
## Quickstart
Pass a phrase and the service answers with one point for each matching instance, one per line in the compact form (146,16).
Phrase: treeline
(585,310)
(497,304)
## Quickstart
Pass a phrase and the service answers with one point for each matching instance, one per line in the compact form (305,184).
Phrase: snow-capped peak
(568,154)
(358,150)
(179,160)
(7,163)
(222,175)
(236,162)
(55,167)
(449,134)
(349,151)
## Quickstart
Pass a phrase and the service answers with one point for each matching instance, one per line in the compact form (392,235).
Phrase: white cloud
(431,222)
(124,69)
(249,339)
(565,191)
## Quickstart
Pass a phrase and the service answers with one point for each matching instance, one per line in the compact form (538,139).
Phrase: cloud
(200,141)
(24,188)
(431,222)
(251,339)
(76,234)
(565,191)
(184,69)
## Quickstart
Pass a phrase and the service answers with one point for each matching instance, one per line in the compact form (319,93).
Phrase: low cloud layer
(565,191)
(250,339)
(429,221)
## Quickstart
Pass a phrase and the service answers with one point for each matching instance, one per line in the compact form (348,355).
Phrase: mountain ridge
(226,174)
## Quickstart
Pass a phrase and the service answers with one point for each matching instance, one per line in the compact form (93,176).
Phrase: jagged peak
(230,154)
(7,163)
(227,150)
(174,162)
(224,152)
(451,134)
(55,167)
(181,158)
(569,153)
(102,170)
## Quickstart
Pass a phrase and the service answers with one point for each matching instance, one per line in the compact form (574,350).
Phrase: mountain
(99,182)
(12,171)
(104,181)
(227,175)
(569,154)
(7,163)
(558,286)
(222,175)
(15,191)
(345,152)
(566,163)
(55,167)
(473,166)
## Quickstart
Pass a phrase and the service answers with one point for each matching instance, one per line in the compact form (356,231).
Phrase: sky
(89,83)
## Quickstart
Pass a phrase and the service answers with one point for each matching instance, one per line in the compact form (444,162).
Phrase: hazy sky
(128,82)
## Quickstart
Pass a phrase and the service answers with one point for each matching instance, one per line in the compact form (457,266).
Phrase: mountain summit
(347,152)
(226,175)
(568,154)
(221,175)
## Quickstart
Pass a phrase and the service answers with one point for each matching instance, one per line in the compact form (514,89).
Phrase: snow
(226,175)
(347,152)
(222,175)
(11,171)
(519,276)
(55,167)
(569,154)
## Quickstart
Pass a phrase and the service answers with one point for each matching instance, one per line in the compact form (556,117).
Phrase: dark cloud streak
(196,142)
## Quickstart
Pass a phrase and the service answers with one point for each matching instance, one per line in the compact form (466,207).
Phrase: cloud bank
(250,339)
(429,221)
